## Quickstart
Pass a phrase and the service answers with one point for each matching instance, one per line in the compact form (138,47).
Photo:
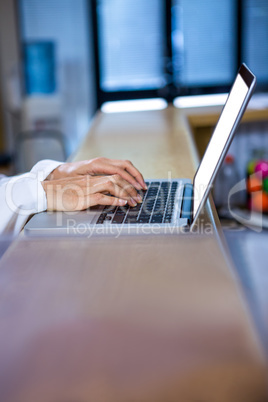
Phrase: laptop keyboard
(157,206)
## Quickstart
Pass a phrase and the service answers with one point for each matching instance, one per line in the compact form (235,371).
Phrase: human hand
(81,192)
(101,166)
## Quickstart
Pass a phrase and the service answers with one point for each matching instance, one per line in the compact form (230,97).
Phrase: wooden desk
(148,319)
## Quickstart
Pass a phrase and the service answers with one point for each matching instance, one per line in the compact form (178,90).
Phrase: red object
(229,159)
(260,201)
(254,183)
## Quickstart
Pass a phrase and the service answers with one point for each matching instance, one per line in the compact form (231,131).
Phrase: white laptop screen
(214,152)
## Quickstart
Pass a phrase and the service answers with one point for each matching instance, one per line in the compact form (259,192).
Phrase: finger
(128,177)
(111,167)
(129,167)
(121,193)
(127,187)
(119,187)
(102,199)
(114,186)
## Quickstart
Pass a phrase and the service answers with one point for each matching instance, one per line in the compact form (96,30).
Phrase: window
(204,45)
(129,48)
(145,49)
(131,44)
(255,38)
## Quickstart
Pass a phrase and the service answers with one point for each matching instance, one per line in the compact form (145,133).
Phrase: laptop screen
(221,137)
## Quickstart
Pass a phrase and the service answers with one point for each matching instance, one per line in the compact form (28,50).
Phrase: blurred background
(62,60)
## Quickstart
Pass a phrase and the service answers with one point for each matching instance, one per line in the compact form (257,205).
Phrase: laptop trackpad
(57,220)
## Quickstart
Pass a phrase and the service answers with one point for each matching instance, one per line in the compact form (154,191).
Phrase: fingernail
(138,199)
(133,202)
(122,202)
(138,186)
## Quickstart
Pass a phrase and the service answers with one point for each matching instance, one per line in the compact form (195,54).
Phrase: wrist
(56,173)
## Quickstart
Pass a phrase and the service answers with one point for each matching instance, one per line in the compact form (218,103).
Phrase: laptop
(168,205)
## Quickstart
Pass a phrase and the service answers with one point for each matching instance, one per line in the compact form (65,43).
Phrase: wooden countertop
(157,142)
(146,319)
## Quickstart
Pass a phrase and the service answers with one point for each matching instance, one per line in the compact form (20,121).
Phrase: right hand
(81,192)
(101,166)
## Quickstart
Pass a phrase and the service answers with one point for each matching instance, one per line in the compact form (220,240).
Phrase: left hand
(101,166)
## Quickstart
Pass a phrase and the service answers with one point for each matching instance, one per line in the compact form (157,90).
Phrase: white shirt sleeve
(22,196)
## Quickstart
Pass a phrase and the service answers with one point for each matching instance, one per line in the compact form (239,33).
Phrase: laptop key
(135,209)
(157,219)
(131,220)
(101,218)
(144,219)
(118,219)
(167,220)
(120,212)
(110,210)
